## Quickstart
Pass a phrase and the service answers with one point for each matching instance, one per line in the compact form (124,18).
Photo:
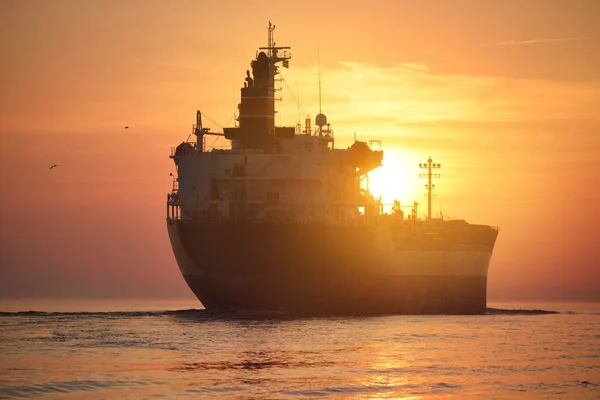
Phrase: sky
(504,94)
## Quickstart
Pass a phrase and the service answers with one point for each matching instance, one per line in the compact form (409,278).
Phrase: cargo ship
(283,221)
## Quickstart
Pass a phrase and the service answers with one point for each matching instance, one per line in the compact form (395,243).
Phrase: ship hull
(326,270)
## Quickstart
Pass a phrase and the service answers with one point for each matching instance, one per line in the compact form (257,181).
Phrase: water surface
(129,350)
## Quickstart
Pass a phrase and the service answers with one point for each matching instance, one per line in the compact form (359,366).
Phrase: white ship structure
(283,221)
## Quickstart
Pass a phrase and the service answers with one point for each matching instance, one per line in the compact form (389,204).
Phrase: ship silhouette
(283,221)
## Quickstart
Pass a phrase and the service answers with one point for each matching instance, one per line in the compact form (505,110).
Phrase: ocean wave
(41,389)
(102,314)
(503,311)
(249,365)
(202,314)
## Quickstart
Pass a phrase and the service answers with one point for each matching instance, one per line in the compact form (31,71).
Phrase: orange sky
(504,94)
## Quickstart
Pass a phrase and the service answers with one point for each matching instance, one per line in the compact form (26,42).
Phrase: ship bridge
(272,173)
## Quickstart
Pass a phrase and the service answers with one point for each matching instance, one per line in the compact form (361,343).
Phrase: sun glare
(398,179)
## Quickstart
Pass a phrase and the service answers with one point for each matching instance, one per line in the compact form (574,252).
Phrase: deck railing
(173,207)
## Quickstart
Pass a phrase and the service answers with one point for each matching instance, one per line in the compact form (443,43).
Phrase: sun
(398,179)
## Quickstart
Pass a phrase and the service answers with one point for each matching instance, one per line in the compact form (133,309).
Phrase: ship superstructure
(284,221)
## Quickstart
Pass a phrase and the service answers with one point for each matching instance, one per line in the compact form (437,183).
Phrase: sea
(159,349)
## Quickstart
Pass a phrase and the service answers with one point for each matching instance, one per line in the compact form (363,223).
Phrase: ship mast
(319,63)
(321,119)
(273,50)
(274,57)
(429,175)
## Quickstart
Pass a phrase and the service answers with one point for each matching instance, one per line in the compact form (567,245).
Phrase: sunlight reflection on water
(192,354)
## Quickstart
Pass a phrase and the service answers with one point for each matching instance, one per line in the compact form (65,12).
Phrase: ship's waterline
(373,295)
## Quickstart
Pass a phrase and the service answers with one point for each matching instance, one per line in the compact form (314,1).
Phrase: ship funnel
(257,107)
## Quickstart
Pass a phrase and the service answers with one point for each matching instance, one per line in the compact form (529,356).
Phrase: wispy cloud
(393,98)
(534,41)
(416,66)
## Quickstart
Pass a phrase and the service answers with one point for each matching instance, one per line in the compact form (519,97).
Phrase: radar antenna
(321,119)
(429,175)
(273,50)
(319,64)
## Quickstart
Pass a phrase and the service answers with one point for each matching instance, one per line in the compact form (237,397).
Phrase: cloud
(415,66)
(367,97)
(534,41)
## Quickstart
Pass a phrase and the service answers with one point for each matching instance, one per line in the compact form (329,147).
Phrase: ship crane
(200,132)
(429,175)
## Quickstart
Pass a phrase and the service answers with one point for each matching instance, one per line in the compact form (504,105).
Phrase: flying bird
(55,165)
